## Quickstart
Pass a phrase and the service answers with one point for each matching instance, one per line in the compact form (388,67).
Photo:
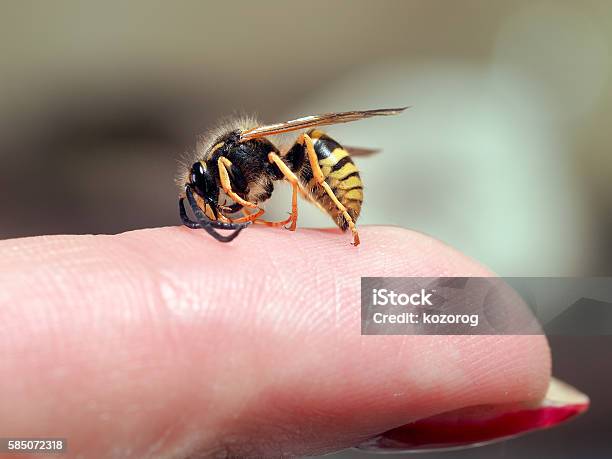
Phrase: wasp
(238,161)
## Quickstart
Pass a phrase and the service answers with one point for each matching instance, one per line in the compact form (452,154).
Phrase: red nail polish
(482,425)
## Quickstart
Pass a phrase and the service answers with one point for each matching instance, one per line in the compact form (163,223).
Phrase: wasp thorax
(203,183)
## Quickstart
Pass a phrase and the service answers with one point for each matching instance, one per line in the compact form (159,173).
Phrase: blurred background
(505,152)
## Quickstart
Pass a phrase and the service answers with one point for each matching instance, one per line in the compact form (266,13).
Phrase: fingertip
(387,250)
(267,326)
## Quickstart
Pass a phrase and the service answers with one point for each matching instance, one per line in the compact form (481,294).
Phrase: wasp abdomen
(341,175)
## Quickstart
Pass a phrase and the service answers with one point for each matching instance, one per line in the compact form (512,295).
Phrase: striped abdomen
(340,173)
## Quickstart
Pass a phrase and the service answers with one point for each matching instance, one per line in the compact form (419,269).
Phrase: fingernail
(482,425)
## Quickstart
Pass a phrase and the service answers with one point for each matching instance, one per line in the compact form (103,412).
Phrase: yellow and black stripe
(339,171)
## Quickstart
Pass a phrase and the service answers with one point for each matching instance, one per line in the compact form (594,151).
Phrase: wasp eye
(202,182)
(197,174)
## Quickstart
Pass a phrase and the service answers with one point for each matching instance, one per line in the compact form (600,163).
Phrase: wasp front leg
(223,164)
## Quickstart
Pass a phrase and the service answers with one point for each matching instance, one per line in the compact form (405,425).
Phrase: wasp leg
(204,222)
(224,163)
(233,208)
(195,225)
(207,221)
(247,216)
(293,217)
(318,175)
(255,219)
(293,180)
(274,224)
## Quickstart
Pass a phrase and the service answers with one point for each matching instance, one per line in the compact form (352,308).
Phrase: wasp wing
(316,120)
(359,151)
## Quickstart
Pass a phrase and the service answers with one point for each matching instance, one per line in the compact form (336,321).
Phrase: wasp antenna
(189,223)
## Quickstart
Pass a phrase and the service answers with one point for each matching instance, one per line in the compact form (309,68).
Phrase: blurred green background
(505,153)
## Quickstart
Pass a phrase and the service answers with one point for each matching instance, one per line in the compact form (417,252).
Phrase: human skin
(166,343)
